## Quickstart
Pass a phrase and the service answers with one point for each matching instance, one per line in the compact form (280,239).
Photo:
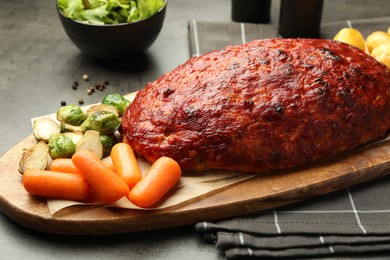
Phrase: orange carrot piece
(58,185)
(111,166)
(63,165)
(107,184)
(126,164)
(162,176)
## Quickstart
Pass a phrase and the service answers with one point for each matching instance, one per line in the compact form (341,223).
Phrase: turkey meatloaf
(264,105)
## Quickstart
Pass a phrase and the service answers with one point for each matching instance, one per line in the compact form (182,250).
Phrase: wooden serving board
(254,195)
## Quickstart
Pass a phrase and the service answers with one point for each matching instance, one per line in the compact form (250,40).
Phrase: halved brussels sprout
(71,114)
(104,122)
(116,100)
(101,107)
(43,128)
(37,157)
(70,128)
(76,137)
(61,146)
(91,141)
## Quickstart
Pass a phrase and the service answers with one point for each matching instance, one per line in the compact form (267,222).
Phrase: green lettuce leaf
(109,11)
(96,15)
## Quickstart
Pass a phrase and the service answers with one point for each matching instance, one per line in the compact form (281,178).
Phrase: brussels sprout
(118,101)
(91,141)
(108,141)
(76,137)
(101,107)
(71,114)
(70,128)
(37,157)
(43,128)
(104,122)
(61,146)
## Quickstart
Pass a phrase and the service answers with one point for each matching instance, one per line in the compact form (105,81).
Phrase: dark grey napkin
(350,222)
(353,222)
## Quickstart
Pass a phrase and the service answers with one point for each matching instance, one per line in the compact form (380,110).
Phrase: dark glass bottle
(300,18)
(251,11)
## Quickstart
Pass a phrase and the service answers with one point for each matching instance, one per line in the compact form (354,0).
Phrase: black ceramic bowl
(117,41)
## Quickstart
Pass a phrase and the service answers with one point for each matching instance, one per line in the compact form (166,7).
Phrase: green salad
(109,11)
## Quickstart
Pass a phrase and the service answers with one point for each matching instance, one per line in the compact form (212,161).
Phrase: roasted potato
(382,53)
(352,37)
(377,38)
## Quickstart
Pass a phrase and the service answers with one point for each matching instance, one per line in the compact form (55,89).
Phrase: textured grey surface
(38,64)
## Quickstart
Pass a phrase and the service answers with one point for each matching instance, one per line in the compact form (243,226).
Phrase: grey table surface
(38,64)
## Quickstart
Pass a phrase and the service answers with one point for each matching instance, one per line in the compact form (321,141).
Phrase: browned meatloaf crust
(268,104)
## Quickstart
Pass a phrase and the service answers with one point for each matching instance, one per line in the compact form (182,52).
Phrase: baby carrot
(162,176)
(109,186)
(126,164)
(111,166)
(63,165)
(58,185)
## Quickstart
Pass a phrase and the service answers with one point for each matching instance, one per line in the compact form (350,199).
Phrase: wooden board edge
(115,221)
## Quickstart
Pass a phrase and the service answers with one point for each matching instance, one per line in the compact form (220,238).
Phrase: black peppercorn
(75,85)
